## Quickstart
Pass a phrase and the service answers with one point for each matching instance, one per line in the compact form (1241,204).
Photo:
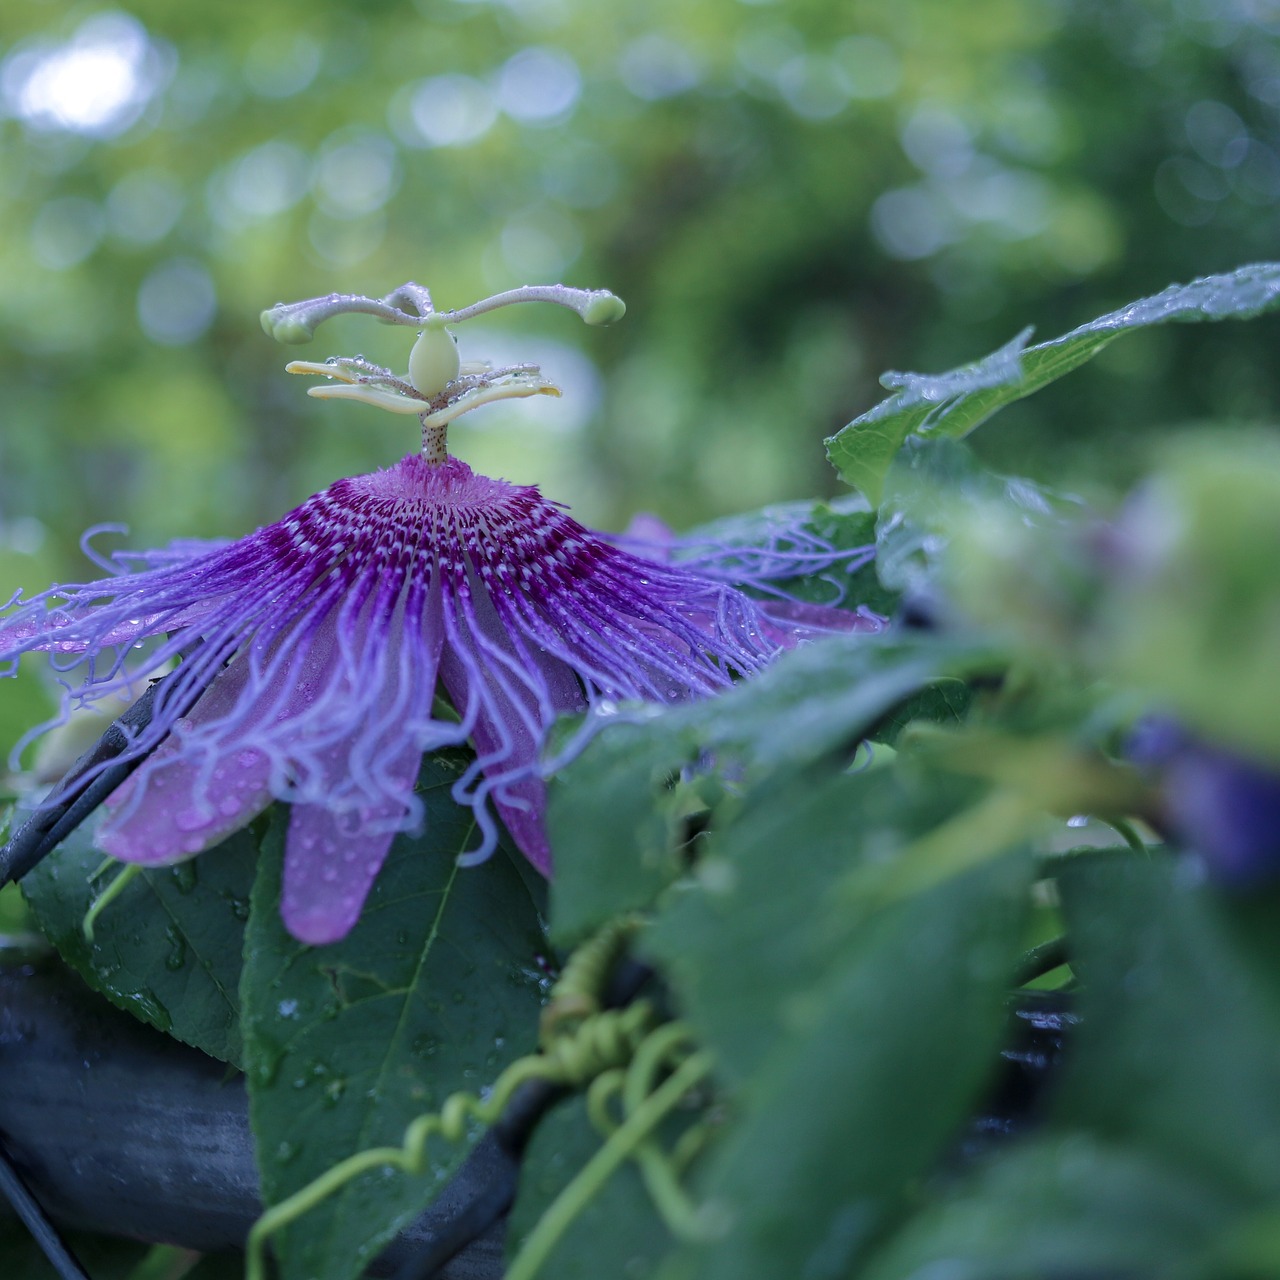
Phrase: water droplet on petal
(190,820)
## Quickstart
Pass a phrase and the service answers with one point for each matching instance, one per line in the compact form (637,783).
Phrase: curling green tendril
(579,1043)
(627,1140)
(666,1047)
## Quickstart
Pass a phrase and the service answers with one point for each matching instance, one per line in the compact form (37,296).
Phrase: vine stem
(129,872)
(600,1168)
(1125,829)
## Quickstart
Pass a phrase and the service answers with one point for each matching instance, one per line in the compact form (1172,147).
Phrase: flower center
(438,387)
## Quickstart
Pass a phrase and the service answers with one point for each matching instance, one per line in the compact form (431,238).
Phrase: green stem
(601,1167)
(684,1219)
(107,896)
(1122,828)
(1041,959)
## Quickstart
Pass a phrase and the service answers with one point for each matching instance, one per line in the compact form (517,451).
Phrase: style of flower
(312,656)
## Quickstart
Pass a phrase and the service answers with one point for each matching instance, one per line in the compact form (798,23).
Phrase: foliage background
(791,196)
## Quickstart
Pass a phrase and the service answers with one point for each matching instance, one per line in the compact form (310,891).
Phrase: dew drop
(184,876)
(177,953)
(190,820)
(229,806)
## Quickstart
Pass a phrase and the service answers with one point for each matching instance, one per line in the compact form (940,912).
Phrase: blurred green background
(791,196)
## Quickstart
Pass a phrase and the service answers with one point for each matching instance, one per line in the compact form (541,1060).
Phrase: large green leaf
(616,813)
(1179,1047)
(954,403)
(168,948)
(1190,611)
(615,819)
(935,485)
(1068,1206)
(435,990)
(879,1060)
(760,932)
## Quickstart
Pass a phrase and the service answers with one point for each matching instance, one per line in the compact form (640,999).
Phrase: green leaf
(435,990)
(168,948)
(616,814)
(1179,1044)
(614,817)
(952,404)
(1190,613)
(877,1063)
(932,486)
(619,1233)
(742,954)
(1067,1205)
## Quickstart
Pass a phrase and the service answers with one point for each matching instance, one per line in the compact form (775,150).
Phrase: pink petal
(790,621)
(328,871)
(176,805)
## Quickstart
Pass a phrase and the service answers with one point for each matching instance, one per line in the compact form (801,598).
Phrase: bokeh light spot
(65,232)
(539,86)
(176,302)
(656,66)
(446,111)
(356,174)
(96,83)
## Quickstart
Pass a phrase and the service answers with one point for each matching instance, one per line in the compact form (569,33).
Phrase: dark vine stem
(37,1222)
(87,783)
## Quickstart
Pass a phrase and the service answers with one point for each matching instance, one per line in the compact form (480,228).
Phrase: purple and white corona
(393,614)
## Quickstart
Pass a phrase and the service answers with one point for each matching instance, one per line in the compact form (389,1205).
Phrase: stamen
(366,393)
(436,378)
(487,395)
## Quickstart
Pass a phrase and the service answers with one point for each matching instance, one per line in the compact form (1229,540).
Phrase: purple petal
(179,803)
(328,872)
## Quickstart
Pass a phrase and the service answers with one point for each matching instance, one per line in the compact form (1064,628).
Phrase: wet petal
(179,803)
(328,871)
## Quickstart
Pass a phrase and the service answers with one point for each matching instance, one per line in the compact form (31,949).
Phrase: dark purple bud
(1221,805)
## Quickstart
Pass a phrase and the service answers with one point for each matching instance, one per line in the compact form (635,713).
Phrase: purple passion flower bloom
(314,652)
